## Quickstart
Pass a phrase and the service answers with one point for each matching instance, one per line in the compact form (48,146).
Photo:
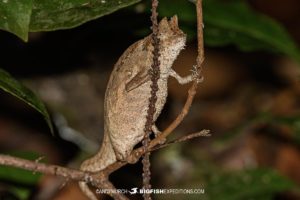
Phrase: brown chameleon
(127,96)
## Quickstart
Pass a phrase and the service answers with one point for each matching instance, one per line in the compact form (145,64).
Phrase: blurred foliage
(263,118)
(22,193)
(233,23)
(21,180)
(258,184)
(15,88)
(292,122)
(202,173)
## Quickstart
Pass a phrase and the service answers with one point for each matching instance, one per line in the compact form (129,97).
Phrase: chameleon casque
(127,96)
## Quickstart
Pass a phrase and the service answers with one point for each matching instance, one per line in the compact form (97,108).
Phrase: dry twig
(203,133)
(155,73)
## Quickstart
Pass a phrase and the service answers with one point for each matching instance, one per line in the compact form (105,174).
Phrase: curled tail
(101,160)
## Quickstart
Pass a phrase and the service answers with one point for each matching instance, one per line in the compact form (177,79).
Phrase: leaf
(57,14)
(233,23)
(20,17)
(15,17)
(14,87)
(260,184)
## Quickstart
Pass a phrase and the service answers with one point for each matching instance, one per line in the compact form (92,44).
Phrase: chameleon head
(172,41)
(171,37)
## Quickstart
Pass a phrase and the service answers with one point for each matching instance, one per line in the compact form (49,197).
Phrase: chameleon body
(127,96)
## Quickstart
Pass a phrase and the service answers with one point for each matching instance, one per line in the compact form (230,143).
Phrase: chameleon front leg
(181,80)
(187,79)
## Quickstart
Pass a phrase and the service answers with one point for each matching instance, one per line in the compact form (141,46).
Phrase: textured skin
(127,96)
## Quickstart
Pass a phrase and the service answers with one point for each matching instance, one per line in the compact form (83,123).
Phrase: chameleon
(127,96)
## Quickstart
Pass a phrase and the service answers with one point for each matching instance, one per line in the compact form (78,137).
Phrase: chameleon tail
(101,160)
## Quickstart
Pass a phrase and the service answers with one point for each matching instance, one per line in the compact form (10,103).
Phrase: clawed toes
(196,75)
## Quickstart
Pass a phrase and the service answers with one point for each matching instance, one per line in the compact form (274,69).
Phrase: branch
(98,180)
(43,168)
(154,73)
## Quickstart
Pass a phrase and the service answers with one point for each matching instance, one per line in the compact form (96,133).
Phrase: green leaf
(57,14)
(20,176)
(15,16)
(258,184)
(14,87)
(20,17)
(235,23)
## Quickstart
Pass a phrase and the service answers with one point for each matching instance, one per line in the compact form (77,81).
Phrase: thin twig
(200,56)
(155,73)
(203,133)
